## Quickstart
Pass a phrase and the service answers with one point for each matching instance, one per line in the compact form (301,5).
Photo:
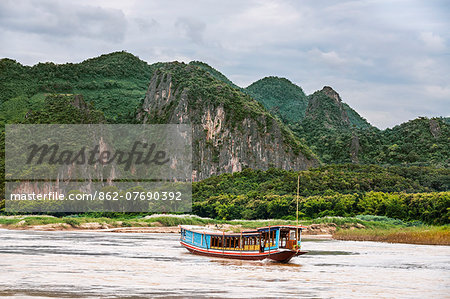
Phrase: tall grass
(174,220)
(431,235)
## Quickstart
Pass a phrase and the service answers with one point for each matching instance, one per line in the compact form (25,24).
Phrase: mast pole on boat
(241,244)
(298,191)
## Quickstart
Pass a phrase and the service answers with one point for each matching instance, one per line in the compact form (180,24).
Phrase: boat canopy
(257,231)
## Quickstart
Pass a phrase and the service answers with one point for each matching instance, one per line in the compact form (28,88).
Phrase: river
(85,264)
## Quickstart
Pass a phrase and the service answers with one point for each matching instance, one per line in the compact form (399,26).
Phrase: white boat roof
(201,229)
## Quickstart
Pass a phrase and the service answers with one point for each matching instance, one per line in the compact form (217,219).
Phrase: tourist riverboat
(278,243)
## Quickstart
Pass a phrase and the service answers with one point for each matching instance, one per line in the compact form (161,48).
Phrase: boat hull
(282,256)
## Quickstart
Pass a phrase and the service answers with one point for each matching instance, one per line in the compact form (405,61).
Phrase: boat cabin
(264,239)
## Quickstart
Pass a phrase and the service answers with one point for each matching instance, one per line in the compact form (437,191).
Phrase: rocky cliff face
(231,131)
(63,109)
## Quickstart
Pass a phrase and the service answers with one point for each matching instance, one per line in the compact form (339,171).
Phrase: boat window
(249,243)
(216,241)
(292,237)
(269,238)
(283,238)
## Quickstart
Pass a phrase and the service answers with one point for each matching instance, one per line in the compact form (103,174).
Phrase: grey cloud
(388,60)
(59,19)
(145,25)
(191,28)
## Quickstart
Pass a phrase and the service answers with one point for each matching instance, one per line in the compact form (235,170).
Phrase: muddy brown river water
(116,265)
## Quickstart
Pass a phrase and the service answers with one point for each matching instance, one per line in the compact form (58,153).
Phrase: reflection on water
(330,252)
(112,265)
(264,263)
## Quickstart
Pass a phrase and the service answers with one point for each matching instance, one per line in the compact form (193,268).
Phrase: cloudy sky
(389,60)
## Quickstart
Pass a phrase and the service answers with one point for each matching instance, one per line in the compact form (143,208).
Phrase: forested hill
(115,83)
(213,72)
(338,134)
(326,110)
(281,97)
(230,130)
(421,141)
(288,101)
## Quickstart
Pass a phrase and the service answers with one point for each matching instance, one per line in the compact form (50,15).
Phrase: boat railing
(245,248)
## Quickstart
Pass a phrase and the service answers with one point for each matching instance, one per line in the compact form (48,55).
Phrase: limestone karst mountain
(231,131)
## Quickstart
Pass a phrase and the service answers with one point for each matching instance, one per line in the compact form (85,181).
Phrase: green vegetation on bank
(430,208)
(342,190)
(409,194)
(344,179)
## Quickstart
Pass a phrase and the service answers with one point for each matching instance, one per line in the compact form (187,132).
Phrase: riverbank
(49,223)
(428,235)
(153,223)
(360,228)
